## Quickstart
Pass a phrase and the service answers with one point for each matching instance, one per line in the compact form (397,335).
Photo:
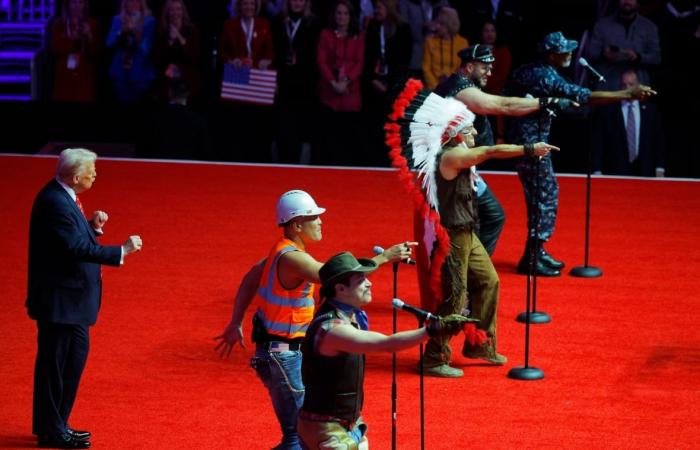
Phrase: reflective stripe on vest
(284,312)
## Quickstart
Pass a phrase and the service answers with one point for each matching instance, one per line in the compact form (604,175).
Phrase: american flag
(248,85)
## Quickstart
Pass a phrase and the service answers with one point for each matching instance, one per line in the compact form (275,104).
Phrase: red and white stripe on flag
(248,85)
(424,233)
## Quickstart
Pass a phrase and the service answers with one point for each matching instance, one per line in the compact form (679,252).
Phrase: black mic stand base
(536,317)
(585,272)
(525,373)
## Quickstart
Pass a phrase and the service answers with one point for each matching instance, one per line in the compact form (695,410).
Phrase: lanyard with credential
(248,34)
(292,28)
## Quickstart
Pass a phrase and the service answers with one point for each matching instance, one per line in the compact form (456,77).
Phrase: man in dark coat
(64,293)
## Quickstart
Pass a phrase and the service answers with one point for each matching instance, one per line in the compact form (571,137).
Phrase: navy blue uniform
(539,80)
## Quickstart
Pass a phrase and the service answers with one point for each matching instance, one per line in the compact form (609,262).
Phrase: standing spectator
(64,292)
(623,41)
(387,55)
(340,60)
(246,38)
(75,44)
(295,35)
(440,51)
(419,15)
(131,38)
(177,50)
(502,65)
(627,138)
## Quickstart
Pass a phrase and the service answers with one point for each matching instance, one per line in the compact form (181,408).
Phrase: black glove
(448,325)
(556,104)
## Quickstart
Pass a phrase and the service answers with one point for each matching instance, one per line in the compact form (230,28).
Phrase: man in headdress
(435,136)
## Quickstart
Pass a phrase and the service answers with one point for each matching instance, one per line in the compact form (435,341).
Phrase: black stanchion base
(536,317)
(585,272)
(525,373)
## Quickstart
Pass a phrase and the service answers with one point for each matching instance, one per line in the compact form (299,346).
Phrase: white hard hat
(294,204)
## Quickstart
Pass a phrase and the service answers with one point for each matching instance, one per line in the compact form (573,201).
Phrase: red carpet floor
(621,357)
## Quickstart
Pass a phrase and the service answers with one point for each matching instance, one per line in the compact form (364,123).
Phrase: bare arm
(640,92)
(482,103)
(462,157)
(296,266)
(246,292)
(395,253)
(347,339)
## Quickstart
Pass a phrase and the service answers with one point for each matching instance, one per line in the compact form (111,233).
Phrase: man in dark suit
(64,292)
(627,137)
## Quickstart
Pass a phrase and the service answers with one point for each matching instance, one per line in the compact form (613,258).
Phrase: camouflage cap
(556,43)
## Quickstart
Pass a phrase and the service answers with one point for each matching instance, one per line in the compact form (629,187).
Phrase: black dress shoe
(78,434)
(542,269)
(64,440)
(548,260)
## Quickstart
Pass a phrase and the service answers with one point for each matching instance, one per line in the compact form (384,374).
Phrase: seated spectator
(387,56)
(340,58)
(131,38)
(177,50)
(295,33)
(627,137)
(246,39)
(624,41)
(75,45)
(440,50)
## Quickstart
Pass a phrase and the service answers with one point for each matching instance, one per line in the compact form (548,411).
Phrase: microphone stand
(421,323)
(393,363)
(586,271)
(526,372)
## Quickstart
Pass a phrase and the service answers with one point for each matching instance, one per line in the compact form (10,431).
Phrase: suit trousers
(60,360)
(469,281)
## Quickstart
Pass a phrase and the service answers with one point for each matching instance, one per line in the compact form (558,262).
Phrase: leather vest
(450,88)
(456,200)
(334,384)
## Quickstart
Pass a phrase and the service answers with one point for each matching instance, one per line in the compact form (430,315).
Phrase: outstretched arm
(482,103)
(246,292)
(640,92)
(461,157)
(347,339)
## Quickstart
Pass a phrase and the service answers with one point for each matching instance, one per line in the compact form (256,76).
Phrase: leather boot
(547,259)
(542,269)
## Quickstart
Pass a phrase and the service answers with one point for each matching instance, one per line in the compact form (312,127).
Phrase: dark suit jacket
(610,141)
(64,282)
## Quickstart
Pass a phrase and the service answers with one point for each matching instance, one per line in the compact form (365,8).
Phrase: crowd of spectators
(339,62)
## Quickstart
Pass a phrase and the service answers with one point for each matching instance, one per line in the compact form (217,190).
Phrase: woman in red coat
(340,60)
(75,44)
(246,38)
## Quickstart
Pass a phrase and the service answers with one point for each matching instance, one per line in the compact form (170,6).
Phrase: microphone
(379,250)
(584,63)
(419,313)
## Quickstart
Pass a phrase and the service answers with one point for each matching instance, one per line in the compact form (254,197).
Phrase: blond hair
(72,161)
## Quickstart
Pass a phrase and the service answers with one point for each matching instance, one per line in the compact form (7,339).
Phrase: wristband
(529,149)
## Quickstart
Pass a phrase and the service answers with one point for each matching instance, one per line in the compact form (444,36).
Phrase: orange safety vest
(284,312)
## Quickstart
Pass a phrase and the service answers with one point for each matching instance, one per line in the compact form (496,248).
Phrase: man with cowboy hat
(284,285)
(541,79)
(334,349)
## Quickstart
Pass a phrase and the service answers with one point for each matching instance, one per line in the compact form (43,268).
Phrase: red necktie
(80,205)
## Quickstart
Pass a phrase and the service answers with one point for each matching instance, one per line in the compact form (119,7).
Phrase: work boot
(547,259)
(443,371)
(487,352)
